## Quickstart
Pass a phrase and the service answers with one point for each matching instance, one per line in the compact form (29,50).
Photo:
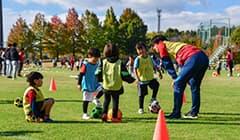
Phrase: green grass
(219,118)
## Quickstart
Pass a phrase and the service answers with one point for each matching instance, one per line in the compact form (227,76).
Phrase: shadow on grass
(6,101)
(72,122)
(17,133)
(69,100)
(202,122)
(215,113)
(140,119)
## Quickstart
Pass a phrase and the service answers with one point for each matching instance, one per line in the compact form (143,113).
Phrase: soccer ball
(214,74)
(119,116)
(18,102)
(154,107)
(96,112)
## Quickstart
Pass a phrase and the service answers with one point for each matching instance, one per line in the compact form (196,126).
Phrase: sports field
(219,118)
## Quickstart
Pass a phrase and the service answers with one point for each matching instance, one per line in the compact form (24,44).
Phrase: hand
(79,87)
(172,84)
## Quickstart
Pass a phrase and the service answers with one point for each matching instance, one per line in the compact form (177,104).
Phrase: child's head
(35,79)
(93,54)
(111,50)
(158,39)
(141,49)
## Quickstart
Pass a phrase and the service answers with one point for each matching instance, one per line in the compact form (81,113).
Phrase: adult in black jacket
(14,60)
(8,61)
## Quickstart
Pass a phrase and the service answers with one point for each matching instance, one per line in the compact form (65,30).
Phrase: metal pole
(1,25)
(159,18)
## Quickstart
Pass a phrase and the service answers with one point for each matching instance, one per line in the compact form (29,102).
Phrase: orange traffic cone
(184,98)
(53,86)
(161,132)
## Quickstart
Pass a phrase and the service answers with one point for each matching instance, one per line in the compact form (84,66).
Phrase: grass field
(219,118)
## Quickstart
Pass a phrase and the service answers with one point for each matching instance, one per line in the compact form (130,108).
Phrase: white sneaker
(140,111)
(85,116)
(97,102)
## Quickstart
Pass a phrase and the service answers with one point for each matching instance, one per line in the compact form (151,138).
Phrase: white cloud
(233,10)
(10,17)
(173,14)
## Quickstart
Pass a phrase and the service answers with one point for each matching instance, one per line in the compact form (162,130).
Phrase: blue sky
(180,14)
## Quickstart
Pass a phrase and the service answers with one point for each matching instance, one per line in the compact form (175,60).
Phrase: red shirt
(182,55)
(185,53)
(21,56)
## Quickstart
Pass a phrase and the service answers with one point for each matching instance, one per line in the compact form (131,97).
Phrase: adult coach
(193,63)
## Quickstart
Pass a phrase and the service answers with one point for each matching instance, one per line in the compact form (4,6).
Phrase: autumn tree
(111,27)
(56,38)
(75,31)
(39,29)
(93,36)
(132,29)
(20,33)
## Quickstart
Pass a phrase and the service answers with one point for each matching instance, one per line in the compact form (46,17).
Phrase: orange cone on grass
(53,86)
(161,132)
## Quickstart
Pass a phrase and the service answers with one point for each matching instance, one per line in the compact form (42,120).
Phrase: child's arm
(98,72)
(32,101)
(81,74)
(136,66)
(126,76)
(156,67)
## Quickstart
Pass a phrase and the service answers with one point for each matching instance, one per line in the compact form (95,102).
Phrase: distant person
(78,63)
(87,81)
(193,63)
(8,61)
(112,72)
(219,66)
(14,60)
(35,106)
(130,64)
(21,61)
(54,62)
(71,61)
(144,72)
(229,58)
(3,63)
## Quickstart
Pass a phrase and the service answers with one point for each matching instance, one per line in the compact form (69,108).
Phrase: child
(113,72)
(87,81)
(144,71)
(219,66)
(35,106)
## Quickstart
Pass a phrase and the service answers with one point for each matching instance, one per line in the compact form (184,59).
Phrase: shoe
(97,102)
(85,116)
(116,120)
(152,100)
(9,76)
(190,115)
(48,120)
(173,116)
(140,111)
(104,117)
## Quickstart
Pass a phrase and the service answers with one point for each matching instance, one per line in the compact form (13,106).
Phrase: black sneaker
(190,115)
(48,120)
(173,116)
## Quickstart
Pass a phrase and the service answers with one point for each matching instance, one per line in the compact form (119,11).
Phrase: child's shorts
(88,96)
(142,87)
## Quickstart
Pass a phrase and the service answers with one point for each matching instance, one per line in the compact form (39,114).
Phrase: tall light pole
(1,25)
(159,18)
